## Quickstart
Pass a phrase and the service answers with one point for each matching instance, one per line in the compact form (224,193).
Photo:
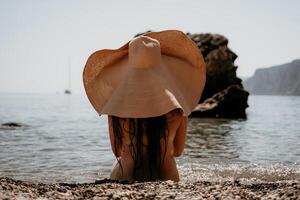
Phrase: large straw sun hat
(148,76)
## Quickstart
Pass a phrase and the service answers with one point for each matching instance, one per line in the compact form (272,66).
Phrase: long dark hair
(147,159)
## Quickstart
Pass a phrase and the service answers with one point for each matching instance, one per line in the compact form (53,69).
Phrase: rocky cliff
(277,80)
(224,95)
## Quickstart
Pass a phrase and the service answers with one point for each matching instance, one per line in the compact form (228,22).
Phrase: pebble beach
(108,189)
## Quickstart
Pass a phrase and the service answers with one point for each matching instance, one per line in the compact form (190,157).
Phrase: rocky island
(281,79)
(224,95)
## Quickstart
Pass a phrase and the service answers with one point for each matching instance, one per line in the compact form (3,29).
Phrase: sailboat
(68,90)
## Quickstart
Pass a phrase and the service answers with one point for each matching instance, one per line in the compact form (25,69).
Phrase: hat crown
(144,52)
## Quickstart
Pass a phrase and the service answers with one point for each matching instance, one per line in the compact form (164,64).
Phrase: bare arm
(179,140)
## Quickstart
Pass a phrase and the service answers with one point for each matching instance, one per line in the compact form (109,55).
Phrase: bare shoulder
(176,113)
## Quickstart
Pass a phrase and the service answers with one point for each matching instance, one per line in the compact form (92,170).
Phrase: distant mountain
(277,80)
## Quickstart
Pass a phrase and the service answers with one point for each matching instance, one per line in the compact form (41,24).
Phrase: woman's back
(171,145)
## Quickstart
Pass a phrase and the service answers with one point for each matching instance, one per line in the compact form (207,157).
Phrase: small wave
(247,173)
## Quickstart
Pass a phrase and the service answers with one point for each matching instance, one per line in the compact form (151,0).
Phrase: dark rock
(219,61)
(229,103)
(142,33)
(12,124)
(224,95)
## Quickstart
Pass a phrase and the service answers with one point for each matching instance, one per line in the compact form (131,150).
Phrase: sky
(40,39)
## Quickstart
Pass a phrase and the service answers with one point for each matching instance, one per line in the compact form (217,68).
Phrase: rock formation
(223,95)
(277,80)
(224,104)
(12,125)
(222,87)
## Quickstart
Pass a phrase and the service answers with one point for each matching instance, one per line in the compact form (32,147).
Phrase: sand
(108,189)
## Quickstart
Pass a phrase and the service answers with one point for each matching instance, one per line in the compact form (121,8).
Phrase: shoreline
(109,189)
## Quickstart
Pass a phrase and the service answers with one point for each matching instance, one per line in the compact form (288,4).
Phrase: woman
(147,87)
(145,147)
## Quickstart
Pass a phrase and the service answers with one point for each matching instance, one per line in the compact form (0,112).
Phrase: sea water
(64,140)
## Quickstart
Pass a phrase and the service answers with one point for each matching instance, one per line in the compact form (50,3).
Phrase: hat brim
(177,83)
